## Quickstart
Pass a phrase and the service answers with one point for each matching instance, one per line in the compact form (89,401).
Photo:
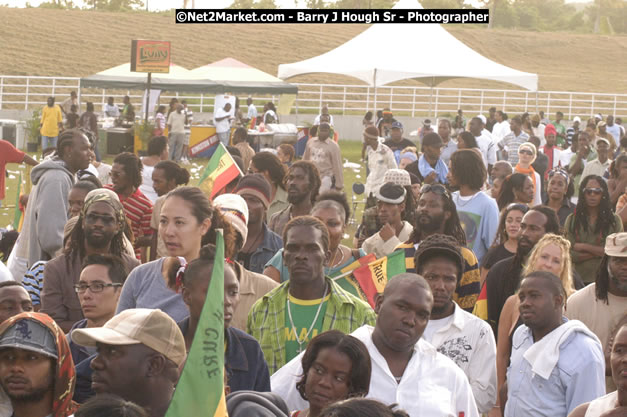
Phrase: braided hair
(76,244)
(452,226)
(605,219)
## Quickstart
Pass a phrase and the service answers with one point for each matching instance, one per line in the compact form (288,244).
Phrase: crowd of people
(513,301)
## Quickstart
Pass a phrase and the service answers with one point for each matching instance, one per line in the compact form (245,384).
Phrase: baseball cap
(397,125)
(577,119)
(427,122)
(152,328)
(235,209)
(598,116)
(616,245)
(29,334)
(483,118)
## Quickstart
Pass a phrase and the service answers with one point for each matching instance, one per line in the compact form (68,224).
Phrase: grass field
(79,43)
(351,150)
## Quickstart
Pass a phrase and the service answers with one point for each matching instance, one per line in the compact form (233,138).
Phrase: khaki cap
(152,328)
(616,245)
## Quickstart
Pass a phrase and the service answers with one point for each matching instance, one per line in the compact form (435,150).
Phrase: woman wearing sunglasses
(526,156)
(587,228)
(559,190)
(506,241)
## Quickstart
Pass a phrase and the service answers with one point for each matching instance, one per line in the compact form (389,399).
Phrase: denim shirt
(243,359)
(265,251)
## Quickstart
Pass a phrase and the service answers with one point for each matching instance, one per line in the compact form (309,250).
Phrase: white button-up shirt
(469,342)
(379,162)
(432,385)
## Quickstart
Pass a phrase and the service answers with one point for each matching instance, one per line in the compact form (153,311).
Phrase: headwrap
(391,193)
(103,195)
(65,376)
(409,155)
(550,130)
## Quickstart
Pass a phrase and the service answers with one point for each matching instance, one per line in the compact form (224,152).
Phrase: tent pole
(374,80)
(148,96)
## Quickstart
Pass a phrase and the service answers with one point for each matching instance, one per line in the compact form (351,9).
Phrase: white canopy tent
(424,52)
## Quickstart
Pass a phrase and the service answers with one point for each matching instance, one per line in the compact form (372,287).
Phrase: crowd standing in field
(501,240)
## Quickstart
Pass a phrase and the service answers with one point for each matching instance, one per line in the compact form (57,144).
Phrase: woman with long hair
(516,189)
(587,228)
(336,366)
(466,140)
(187,222)
(527,153)
(506,241)
(559,190)
(551,254)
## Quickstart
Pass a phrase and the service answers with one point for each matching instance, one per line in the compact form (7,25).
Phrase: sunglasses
(526,152)
(434,188)
(596,191)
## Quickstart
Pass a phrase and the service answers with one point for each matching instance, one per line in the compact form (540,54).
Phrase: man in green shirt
(561,130)
(288,317)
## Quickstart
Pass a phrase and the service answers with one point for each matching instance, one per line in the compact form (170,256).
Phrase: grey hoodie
(47,209)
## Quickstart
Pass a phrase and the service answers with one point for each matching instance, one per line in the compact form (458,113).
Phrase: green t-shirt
(303,314)
(561,130)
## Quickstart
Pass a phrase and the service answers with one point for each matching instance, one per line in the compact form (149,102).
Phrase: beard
(524,249)
(297,198)
(33,396)
(432,225)
(98,241)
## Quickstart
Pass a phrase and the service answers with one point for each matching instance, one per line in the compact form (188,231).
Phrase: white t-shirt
(146,186)
(5,274)
(221,125)
(434,325)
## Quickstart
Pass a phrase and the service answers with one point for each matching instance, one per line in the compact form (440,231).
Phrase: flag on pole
(481,305)
(17,215)
(200,390)
(370,279)
(220,171)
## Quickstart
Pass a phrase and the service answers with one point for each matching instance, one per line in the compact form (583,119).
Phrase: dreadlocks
(602,282)
(452,227)
(605,219)
(76,245)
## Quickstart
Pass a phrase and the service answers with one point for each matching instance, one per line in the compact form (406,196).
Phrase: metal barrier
(25,92)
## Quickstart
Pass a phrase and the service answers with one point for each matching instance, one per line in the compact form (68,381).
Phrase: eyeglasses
(94,287)
(518,207)
(525,152)
(596,191)
(93,218)
(435,188)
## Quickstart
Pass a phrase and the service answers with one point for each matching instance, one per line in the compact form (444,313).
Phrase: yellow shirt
(50,119)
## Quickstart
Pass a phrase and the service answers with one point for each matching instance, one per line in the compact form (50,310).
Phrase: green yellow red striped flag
(220,171)
(481,305)
(200,390)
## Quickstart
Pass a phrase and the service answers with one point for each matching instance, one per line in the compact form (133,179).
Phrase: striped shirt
(512,142)
(33,281)
(138,209)
(467,289)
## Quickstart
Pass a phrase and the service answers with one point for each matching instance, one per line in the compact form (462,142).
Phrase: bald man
(401,360)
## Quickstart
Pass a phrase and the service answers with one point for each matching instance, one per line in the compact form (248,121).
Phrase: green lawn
(351,150)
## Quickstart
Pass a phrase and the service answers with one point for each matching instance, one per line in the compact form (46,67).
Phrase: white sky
(208,4)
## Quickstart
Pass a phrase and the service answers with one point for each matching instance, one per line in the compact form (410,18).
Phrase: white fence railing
(24,93)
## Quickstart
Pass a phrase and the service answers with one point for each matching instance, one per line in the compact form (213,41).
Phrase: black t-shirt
(399,146)
(495,254)
(501,273)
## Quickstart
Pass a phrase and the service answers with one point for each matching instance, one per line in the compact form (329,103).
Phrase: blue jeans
(48,141)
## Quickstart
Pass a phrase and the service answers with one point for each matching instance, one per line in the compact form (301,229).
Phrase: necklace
(458,200)
(313,323)
(333,263)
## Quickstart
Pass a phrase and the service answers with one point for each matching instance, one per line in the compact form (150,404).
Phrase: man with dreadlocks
(436,214)
(603,304)
(504,277)
(587,228)
(98,230)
